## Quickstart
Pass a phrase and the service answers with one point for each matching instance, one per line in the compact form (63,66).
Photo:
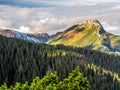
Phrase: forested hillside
(21,61)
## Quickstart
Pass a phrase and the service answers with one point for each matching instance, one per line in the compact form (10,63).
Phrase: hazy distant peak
(39,38)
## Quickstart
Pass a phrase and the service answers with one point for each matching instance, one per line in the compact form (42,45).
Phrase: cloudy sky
(52,16)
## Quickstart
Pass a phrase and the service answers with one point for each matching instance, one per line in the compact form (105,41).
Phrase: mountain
(39,38)
(90,34)
(21,61)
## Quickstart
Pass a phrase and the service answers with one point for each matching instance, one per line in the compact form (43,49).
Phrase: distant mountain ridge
(39,38)
(89,34)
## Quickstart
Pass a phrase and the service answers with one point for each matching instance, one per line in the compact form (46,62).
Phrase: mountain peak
(89,34)
(91,23)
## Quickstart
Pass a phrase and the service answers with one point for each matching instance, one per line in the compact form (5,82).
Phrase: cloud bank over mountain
(54,16)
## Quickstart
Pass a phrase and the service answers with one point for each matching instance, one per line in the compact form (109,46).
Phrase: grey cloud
(110,28)
(5,23)
(55,19)
(50,3)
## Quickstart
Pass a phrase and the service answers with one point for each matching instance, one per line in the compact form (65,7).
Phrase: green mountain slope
(21,61)
(89,34)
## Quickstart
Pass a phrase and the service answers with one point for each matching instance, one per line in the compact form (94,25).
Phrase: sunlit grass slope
(89,34)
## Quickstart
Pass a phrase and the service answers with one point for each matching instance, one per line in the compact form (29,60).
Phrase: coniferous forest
(24,65)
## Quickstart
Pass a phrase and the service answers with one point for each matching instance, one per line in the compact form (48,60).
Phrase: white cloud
(115,7)
(47,24)
(111,28)
(5,23)
(24,29)
(20,17)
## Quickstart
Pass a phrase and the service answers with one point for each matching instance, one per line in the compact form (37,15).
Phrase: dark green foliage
(21,61)
(75,81)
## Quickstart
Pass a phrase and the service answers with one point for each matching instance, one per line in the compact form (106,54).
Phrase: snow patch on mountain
(39,38)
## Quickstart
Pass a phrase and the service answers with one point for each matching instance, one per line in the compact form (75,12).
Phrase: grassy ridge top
(89,34)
